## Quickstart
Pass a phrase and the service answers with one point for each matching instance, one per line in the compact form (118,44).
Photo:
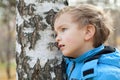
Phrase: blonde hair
(86,14)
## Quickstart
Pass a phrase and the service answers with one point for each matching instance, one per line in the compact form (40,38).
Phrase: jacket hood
(111,58)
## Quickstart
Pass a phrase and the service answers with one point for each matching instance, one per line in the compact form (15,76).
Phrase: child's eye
(63,29)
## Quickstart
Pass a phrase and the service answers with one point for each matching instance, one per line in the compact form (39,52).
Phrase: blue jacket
(106,67)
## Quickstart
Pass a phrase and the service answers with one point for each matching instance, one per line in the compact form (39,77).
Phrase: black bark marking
(52,45)
(31,9)
(25,10)
(50,17)
(35,36)
(21,7)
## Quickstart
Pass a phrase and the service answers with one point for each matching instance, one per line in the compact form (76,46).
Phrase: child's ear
(90,31)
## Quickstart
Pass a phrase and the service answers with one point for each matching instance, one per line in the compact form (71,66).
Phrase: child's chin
(66,55)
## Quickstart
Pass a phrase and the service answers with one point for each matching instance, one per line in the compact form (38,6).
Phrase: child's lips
(61,46)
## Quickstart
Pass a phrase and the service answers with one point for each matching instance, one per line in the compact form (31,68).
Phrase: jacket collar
(85,55)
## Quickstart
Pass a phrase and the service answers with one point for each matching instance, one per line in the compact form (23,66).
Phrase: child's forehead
(63,18)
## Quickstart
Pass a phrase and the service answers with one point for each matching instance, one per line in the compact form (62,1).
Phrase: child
(81,31)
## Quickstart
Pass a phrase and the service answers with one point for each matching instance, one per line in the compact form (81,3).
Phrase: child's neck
(85,48)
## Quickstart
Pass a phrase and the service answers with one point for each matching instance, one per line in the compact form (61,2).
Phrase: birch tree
(37,56)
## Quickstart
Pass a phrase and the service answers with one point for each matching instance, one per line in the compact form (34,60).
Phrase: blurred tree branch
(7,8)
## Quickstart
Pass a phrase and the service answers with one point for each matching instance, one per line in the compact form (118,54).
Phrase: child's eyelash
(63,29)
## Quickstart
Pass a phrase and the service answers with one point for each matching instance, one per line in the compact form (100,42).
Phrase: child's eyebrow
(58,27)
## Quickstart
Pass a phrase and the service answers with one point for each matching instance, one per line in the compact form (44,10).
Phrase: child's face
(70,36)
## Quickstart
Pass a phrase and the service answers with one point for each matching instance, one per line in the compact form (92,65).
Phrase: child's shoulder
(107,72)
(110,60)
(106,67)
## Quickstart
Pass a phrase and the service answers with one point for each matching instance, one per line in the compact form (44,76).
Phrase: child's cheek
(70,40)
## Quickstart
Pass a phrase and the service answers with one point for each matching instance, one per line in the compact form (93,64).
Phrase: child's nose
(58,38)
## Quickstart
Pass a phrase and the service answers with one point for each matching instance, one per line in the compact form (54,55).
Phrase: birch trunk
(37,56)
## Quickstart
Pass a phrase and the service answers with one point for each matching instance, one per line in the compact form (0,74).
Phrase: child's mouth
(61,46)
